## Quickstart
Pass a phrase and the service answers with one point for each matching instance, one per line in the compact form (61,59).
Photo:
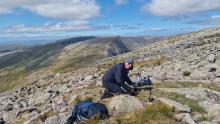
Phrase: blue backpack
(86,110)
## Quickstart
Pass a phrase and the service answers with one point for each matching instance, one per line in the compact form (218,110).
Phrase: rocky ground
(186,76)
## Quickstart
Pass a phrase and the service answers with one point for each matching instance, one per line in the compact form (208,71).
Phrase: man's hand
(133,92)
(134,89)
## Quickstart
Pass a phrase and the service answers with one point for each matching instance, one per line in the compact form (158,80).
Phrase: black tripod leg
(150,95)
(150,92)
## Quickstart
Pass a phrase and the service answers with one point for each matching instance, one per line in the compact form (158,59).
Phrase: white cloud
(215,17)
(50,29)
(63,9)
(80,25)
(212,20)
(180,7)
(121,2)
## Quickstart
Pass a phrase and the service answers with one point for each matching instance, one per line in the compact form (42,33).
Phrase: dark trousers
(73,117)
(112,86)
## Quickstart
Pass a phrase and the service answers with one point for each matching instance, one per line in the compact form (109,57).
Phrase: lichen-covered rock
(124,104)
(9,116)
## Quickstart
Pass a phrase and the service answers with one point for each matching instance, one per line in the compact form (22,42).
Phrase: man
(116,79)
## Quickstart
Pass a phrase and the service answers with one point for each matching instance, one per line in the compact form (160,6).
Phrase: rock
(211,58)
(217,45)
(178,107)
(38,118)
(196,116)
(8,107)
(209,100)
(98,83)
(87,96)
(9,116)
(64,89)
(179,117)
(18,105)
(73,98)
(30,115)
(57,119)
(89,78)
(2,121)
(59,102)
(29,110)
(188,119)
(216,80)
(177,66)
(63,117)
(185,117)
(211,108)
(117,104)
(39,97)
(199,75)
(52,120)
(21,103)
(212,67)
(57,75)
(59,88)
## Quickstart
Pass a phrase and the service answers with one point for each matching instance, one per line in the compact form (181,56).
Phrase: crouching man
(116,79)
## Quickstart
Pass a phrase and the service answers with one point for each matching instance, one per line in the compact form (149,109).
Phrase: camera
(142,81)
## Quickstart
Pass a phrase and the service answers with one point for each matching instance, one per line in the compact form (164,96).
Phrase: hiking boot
(105,93)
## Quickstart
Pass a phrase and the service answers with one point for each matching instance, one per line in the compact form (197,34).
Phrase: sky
(53,19)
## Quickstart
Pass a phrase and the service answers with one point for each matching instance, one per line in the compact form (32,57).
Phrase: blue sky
(54,19)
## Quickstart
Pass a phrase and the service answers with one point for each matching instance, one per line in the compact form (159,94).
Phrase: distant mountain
(67,54)
(12,47)
(25,42)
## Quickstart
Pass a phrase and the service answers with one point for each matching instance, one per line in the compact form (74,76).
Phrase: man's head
(129,64)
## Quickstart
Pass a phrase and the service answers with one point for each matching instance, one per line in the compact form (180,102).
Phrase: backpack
(87,110)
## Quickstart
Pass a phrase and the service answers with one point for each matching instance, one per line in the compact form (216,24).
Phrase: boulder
(38,118)
(124,104)
(63,117)
(52,120)
(64,88)
(59,102)
(26,110)
(39,97)
(186,118)
(212,67)
(216,80)
(211,108)
(211,58)
(178,107)
(57,119)
(199,75)
(89,78)
(9,116)
(8,107)
(21,103)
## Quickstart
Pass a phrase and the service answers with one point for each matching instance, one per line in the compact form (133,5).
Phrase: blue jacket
(119,75)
